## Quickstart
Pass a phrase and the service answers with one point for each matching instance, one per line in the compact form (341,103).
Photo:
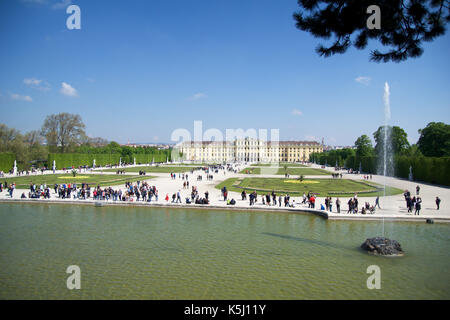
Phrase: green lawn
(159,169)
(278,164)
(290,171)
(92,179)
(322,187)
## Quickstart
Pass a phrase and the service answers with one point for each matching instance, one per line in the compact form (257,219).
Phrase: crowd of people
(143,192)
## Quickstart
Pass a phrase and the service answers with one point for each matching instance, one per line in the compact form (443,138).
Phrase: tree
(63,130)
(397,136)
(26,147)
(7,137)
(404,25)
(413,151)
(363,146)
(35,147)
(434,140)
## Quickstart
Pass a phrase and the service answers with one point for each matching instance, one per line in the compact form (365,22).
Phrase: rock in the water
(430,221)
(382,246)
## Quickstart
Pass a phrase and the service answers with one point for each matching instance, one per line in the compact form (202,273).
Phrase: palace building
(248,149)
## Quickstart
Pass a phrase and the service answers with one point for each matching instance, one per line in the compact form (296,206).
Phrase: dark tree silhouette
(405,24)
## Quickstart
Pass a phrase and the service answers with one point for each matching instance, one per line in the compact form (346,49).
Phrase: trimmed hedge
(426,169)
(7,161)
(67,160)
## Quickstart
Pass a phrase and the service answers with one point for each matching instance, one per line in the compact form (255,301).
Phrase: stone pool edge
(321,213)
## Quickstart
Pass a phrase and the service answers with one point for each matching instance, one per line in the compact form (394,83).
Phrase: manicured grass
(278,164)
(160,169)
(322,187)
(290,171)
(23,182)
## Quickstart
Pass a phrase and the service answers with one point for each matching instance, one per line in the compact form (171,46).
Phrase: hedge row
(7,161)
(67,160)
(425,169)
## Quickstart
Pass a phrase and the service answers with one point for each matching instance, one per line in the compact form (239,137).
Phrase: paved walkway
(392,207)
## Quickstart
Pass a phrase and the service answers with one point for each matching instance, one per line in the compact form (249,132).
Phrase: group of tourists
(336,175)
(133,192)
(195,197)
(353,204)
(269,199)
(367,208)
(413,202)
(186,184)
(329,204)
(10,187)
(311,199)
(142,190)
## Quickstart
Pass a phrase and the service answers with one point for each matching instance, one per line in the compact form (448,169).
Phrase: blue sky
(139,69)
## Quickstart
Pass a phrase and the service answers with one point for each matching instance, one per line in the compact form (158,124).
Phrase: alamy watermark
(374,280)
(74,20)
(74,280)
(374,21)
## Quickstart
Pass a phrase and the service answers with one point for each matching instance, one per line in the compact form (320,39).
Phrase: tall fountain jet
(386,138)
(387,143)
(382,245)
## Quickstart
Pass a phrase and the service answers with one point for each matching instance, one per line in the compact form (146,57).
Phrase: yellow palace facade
(248,149)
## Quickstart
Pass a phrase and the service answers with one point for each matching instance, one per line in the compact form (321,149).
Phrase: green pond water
(156,253)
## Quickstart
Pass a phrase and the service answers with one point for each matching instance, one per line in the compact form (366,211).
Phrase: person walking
(418,205)
(338,205)
(438,202)
(377,202)
(417,190)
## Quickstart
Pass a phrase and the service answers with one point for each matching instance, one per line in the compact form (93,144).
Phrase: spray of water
(387,117)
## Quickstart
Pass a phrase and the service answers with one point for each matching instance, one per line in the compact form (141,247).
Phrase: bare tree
(33,137)
(7,137)
(63,130)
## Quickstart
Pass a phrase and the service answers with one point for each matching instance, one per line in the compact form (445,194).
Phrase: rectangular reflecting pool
(158,253)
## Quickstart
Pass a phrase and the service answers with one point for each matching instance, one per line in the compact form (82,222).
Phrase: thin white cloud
(311,138)
(62,4)
(37,84)
(35,1)
(32,81)
(198,96)
(297,112)
(363,80)
(68,90)
(19,97)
